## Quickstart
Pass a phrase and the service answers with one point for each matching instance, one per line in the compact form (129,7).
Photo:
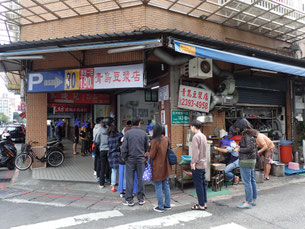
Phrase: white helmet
(6,136)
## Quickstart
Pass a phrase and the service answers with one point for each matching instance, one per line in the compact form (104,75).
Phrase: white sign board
(193,98)
(128,76)
(163,93)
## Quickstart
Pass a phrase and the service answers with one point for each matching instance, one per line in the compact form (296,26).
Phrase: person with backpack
(114,142)
(161,168)
(247,159)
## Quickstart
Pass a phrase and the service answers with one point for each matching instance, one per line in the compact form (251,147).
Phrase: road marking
(72,221)
(166,221)
(22,201)
(229,226)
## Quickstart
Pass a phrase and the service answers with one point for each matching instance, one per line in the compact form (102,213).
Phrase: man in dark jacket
(134,147)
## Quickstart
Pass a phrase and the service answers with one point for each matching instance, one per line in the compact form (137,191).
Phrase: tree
(17,117)
(3,118)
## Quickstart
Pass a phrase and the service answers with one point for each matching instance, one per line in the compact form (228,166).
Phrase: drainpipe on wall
(180,60)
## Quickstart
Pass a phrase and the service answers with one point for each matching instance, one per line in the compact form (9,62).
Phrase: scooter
(55,143)
(8,153)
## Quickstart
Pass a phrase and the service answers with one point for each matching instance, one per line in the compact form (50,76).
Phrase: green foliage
(18,118)
(3,118)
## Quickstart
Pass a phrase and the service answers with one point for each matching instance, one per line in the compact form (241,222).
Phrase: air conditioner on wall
(200,68)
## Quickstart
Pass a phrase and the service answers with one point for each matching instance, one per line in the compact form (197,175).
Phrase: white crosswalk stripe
(72,221)
(170,220)
(22,201)
(229,226)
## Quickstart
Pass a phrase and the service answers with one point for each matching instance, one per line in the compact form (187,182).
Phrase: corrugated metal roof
(156,33)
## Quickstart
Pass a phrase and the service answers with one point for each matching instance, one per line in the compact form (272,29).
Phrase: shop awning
(230,57)
(143,44)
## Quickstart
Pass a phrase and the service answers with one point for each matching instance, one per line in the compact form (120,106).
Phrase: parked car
(17,133)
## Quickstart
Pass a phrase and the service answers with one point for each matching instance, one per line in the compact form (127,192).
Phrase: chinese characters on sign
(163,93)
(125,76)
(79,98)
(180,117)
(192,98)
(67,108)
(130,76)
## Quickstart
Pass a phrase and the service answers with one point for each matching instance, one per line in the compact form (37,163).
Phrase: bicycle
(53,156)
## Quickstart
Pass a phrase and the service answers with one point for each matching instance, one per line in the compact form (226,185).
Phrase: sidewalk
(24,189)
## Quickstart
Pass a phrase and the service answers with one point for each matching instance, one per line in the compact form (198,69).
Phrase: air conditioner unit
(201,68)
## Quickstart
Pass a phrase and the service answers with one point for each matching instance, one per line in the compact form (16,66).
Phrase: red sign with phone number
(193,98)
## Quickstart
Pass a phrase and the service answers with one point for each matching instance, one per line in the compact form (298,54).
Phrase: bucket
(286,153)
(278,169)
(286,142)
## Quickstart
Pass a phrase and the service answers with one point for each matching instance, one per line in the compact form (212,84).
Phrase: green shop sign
(180,117)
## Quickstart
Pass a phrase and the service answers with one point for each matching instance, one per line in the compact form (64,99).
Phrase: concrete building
(227,59)
(7,105)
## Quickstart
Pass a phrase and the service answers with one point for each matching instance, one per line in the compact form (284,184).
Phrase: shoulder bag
(172,158)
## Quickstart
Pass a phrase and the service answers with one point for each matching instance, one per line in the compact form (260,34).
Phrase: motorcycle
(8,152)
(55,143)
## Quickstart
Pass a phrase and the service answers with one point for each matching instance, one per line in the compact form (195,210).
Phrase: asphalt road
(281,207)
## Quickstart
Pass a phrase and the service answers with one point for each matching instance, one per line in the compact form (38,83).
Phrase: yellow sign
(72,79)
(11,86)
(187,49)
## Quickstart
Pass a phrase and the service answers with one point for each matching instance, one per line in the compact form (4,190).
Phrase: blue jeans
(248,179)
(160,187)
(200,185)
(229,168)
(113,176)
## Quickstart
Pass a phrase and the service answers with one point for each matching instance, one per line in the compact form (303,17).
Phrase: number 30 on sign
(72,79)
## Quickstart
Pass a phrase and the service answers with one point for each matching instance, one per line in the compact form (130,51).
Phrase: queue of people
(127,152)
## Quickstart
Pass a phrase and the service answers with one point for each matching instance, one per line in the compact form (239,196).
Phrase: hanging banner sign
(68,108)
(79,98)
(193,98)
(126,76)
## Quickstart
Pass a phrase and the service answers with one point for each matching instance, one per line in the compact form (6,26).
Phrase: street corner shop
(193,76)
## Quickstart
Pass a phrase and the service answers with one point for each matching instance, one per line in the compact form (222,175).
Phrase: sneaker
(167,208)
(157,209)
(122,195)
(130,203)
(242,206)
(141,202)
(125,203)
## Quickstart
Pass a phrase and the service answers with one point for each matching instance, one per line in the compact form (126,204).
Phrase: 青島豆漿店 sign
(125,76)
(193,98)
(180,117)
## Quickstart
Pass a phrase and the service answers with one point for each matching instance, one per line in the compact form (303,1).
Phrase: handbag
(147,175)
(172,158)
